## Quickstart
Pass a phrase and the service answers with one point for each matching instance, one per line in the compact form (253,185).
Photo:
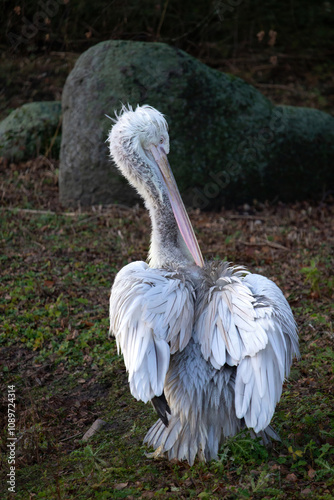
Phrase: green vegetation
(56,272)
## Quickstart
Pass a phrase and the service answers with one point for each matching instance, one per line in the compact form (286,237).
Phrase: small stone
(291,477)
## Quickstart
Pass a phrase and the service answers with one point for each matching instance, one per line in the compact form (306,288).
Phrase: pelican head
(144,127)
(139,144)
(136,136)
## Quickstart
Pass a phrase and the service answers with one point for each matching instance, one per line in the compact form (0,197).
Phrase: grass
(56,273)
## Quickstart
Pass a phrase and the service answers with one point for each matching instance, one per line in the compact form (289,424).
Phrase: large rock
(228,142)
(30,130)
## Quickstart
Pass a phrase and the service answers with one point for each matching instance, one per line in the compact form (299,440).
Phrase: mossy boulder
(31,130)
(229,143)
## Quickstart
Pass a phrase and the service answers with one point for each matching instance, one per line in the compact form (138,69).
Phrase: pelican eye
(161,140)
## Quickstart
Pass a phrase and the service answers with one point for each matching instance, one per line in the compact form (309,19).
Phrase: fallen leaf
(120,486)
(311,473)
(49,283)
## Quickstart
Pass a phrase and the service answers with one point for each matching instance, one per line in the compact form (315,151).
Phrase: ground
(55,276)
(56,272)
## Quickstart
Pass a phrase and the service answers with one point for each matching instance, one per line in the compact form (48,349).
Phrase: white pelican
(207,343)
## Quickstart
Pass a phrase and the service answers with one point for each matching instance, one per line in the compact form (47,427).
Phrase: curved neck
(167,245)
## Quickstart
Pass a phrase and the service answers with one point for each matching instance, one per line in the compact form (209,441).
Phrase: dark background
(284,48)
(220,28)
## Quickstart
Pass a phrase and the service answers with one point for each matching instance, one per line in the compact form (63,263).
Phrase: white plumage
(207,343)
(152,314)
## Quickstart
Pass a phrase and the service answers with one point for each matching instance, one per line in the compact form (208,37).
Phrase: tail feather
(186,448)
(178,441)
(154,436)
(173,433)
(267,435)
(174,441)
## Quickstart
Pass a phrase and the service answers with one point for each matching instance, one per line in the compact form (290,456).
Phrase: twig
(63,54)
(245,217)
(162,19)
(271,244)
(87,219)
(67,214)
(39,212)
(71,437)
(306,56)
(26,230)
(97,425)
(280,87)
(200,23)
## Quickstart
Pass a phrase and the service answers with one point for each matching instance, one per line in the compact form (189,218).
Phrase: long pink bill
(178,207)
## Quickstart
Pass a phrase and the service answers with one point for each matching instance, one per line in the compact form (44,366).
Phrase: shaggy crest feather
(140,126)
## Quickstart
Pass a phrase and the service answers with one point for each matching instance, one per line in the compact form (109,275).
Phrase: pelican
(209,344)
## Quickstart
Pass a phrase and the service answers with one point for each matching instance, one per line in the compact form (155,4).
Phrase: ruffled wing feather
(246,322)
(151,316)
